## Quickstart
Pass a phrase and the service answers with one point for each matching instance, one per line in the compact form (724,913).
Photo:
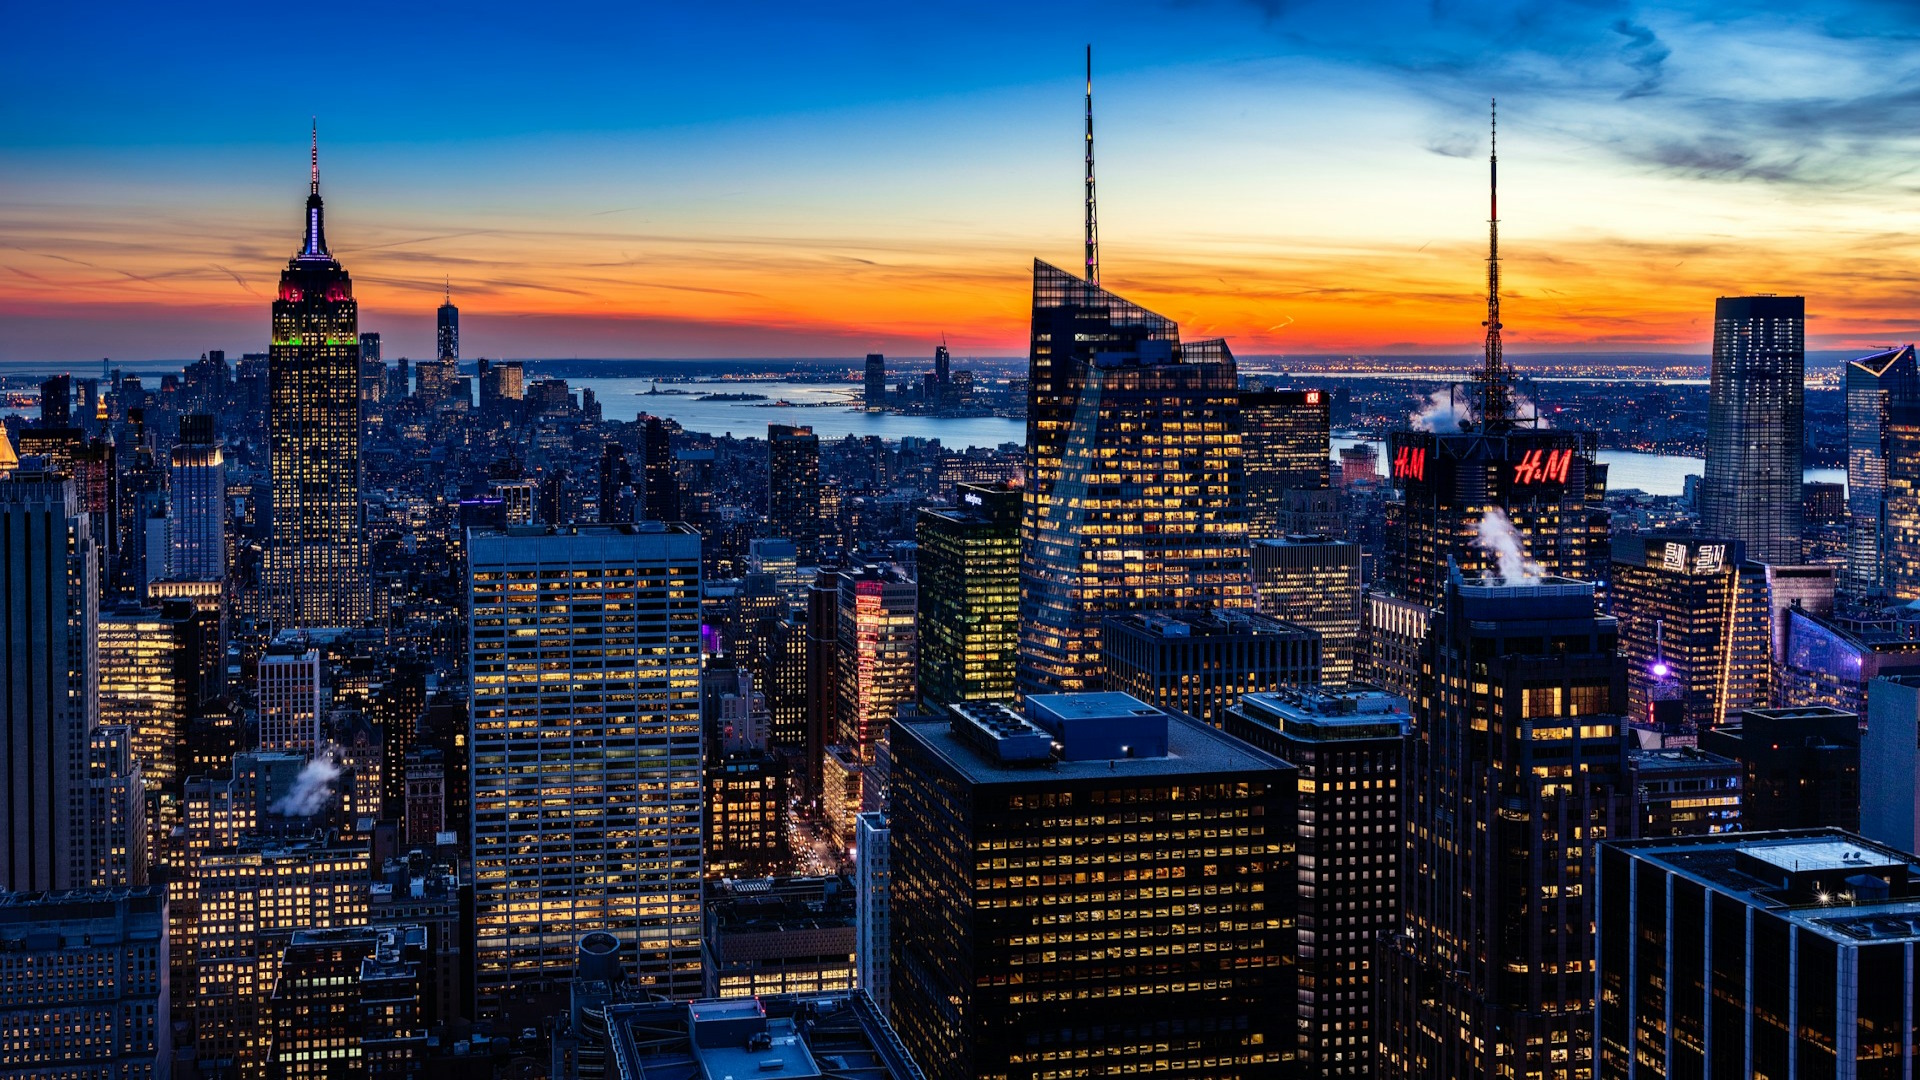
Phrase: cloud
(1455,144)
(1643,53)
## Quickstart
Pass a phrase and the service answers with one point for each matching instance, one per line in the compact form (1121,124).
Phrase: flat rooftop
(1193,749)
(785,1035)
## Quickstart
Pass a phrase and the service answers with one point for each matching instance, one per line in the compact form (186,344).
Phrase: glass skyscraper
(197,494)
(793,491)
(1756,426)
(969,572)
(316,565)
(1877,387)
(447,328)
(586,752)
(1135,496)
(1285,436)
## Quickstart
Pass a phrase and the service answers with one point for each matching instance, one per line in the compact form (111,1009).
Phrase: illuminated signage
(1542,466)
(972,499)
(1410,463)
(1313,397)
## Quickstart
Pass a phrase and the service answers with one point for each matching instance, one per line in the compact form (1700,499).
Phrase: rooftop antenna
(1496,407)
(449,293)
(314,189)
(1093,226)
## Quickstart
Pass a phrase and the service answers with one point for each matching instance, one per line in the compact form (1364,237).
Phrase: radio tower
(1093,225)
(1496,401)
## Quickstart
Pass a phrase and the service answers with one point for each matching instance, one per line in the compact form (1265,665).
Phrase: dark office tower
(447,327)
(1802,766)
(1348,746)
(1756,425)
(616,485)
(1516,768)
(1030,937)
(793,496)
(56,402)
(663,487)
(876,386)
(1756,955)
(1902,534)
(348,1003)
(823,670)
(1453,467)
(1695,627)
(197,504)
(373,371)
(1684,791)
(49,681)
(969,572)
(1134,499)
(1878,387)
(1285,440)
(943,372)
(1313,581)
(316,562)
(1199,662)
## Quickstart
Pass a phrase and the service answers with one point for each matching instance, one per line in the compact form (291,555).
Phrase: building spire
(448,299)
(315,245)
(1496,397)
(1093,219)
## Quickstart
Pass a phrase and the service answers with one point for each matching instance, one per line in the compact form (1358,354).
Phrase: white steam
(311,788)
(1497,534)
(1444,412)
(1526,411)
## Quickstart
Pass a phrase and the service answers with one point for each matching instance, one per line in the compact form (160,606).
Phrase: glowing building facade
(1877,387)
(969,573)
(1695,631)
(291,697)
(316,563)
(1285,436)
(879,653)
(586,753)
(197,504)
(1313,581)
(1134,497)
(1756,426)
(87,988)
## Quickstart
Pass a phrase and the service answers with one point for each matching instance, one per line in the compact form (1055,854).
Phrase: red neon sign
(1313,397)
(1410,462)
(1540,466)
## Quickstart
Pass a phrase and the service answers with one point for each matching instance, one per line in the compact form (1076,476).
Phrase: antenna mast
(1093,226)
(1496,405)
(314,188)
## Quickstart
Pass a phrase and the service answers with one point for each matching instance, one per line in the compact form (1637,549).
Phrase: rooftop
(1353,713)
(787,1035)
(1208,622)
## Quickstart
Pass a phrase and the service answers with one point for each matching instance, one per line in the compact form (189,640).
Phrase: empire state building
(316,566)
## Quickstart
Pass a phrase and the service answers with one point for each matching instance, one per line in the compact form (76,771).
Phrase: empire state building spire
(1496,397)
(1093,219)
(315,246)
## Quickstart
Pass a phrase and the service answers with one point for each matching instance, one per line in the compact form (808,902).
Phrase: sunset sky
(1302,177)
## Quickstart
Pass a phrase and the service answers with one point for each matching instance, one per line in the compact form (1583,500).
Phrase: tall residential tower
(1756,426)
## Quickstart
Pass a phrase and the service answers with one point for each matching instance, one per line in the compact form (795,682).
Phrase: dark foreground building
(1122,903)
(1776,954)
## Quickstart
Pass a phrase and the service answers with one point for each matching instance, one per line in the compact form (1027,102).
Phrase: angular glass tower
(1134,478)
(1877,386)
(1756,426)
(316,566)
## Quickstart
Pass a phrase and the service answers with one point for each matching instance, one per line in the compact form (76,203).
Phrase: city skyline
(796,211)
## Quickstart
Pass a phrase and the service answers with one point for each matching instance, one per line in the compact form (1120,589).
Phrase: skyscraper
(616,485)
(1517,767)
(87,983)
(1694,631)
(316,565)
(290,696)
(969,573)
(876,384)
(197,504)
(879,653)
(1313,581)
(1756,425)
(373,372)
(606,785)
(663,487)
(1133,497)
(1286,442)
(793,494)
(1199,662)
(1029,935)
(48,681)
(447,327)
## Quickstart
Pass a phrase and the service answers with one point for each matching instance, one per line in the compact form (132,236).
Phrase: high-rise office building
(1801,766)
(823,671)
(1286,440)
(291,697)
(348,1003)
(873,908)
(1900,533)
(1756,425)
(1020,953)
(793,495)
(87,988)
(606,785)
(373,374)
(446,333)
(879,653)
(1348,746)
(1890,763)
(1695,631)
(969,573)
(1684,791)
(48,679)
(1134,497)
(1313,581)
(617,503)
(1201,662)
(663,487)
(876,384)
(148,683)
(1517,766)
(197,504)
(316,563)
(1775,954)
(1831,661)
(778,935)
(56,402)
